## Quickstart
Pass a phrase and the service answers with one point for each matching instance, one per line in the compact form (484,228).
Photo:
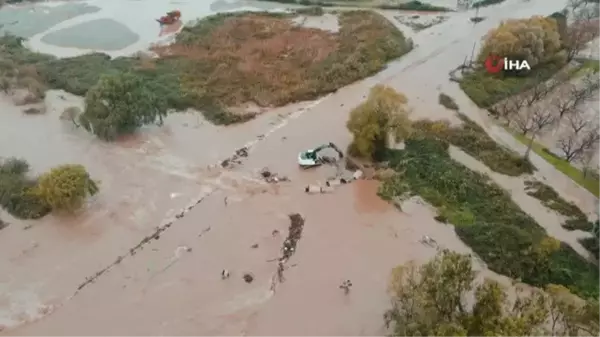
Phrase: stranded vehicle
(310,158)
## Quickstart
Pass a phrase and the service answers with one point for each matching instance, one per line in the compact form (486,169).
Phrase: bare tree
(508,108)
(540,119)
(584,27)
(574,144)
(524,121)
(569,96)
(577,122)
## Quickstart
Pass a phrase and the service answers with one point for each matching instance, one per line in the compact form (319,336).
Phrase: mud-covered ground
(151,271)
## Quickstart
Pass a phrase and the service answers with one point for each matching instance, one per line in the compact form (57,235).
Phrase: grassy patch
(486,89)
(486,218)
(16,191)
(473,139)
(576,219)
(587,66)
(231,59)
(447,101)
(590,182)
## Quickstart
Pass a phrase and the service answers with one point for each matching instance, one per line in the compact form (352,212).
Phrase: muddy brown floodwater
(169,218)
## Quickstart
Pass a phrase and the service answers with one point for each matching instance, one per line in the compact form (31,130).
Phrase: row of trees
(557,104)
(432,300)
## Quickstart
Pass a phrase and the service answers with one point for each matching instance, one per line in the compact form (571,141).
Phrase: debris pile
(294,235)
(272,177)
(236,158)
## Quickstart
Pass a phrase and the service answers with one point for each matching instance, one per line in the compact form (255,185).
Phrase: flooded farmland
(146,255)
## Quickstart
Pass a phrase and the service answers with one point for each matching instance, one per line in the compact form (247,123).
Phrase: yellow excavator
(311,158)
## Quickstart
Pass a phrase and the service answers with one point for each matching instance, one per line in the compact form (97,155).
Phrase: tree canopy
(120,104)
(534,39)
(383,115)
(432,300)
(65,187)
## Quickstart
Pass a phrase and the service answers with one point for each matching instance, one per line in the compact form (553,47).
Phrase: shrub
(372,123)
(65,187)
(447,101)
(496,228)
(17,191)
(120,104)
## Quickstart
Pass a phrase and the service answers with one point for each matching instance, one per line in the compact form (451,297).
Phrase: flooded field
(146,255)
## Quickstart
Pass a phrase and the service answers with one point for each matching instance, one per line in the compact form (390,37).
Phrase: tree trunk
(529,146)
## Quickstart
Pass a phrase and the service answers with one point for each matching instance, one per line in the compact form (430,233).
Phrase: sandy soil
(162,288)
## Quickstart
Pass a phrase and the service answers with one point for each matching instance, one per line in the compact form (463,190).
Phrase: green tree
(383,115)
(535,39)
(120,104)
(431,300)
(65,187)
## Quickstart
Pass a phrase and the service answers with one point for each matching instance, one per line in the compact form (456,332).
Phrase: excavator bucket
(337,149)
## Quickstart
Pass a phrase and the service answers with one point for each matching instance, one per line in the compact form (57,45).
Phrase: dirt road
(166,288)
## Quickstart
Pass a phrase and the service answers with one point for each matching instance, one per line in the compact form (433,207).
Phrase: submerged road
(166,288)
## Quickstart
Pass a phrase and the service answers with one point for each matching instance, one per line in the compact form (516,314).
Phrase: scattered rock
(248,277)
(254,246)
(275,233)
(357,174)
(312,189)
(33,111)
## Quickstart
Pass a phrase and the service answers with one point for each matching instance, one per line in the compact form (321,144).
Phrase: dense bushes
(534,39)
(475,141)
(66,187)
(27,197)
(486,218)
(17,191)
(436,299)
(110,113)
